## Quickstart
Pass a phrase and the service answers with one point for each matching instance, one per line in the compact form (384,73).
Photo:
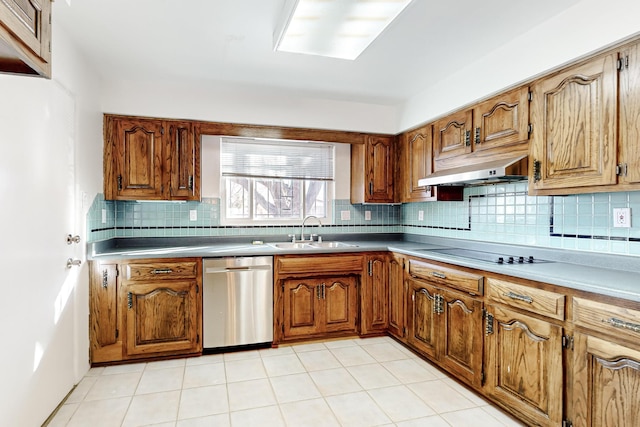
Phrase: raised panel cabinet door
(162,317)
(301,301)
(574,118)
(423,322)
(379,176)
(461,351)
(396,296)
(629,115)
(340,295)
(104,314)
(184,159)
(29,23)
(375,295)
(524,365)
(138,157)
(452,135)
(606,383)
(502,121)
(417,157)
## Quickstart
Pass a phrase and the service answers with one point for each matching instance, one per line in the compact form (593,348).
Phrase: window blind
(277,159)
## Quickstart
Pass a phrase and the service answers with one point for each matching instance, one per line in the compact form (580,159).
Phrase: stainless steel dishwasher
(237,301)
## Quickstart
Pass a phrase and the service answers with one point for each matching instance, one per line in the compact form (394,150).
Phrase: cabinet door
(461,351)
(606,383)
(524,365)
(574,118)
(375,295)
(423,327)
(104,316)
(184,174)
(379,177)
(137,160)
(417,146)
(301,300)
(26,26)
(162,317)
(340,303)
(396,295)
(502,121)
(452,135)
(629,116)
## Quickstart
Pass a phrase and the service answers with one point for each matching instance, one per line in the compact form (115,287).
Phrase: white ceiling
(231,42)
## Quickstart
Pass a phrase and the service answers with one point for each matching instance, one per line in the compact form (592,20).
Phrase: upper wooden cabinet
(148,159)
(372,170)
(493,129)
(415,160)
(629,116)
(25,37)
(574,115)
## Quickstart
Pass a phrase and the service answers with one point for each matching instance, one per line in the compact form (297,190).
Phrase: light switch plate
(193,215)
(345,215)
(420,215)
(622,217)
(367,215)
(104,216)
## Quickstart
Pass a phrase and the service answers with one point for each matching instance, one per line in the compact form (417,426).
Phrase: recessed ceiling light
(335,28)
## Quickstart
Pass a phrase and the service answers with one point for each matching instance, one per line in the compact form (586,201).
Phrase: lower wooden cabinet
(374,295)
(145,308)
(315,307)
(524,365)
(397,296)
(446,326)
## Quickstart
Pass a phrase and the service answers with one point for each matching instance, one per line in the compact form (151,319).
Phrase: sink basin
(311,245)
(330,245)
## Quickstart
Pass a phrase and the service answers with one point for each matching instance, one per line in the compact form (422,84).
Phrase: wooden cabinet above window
(150,159)
(25,37)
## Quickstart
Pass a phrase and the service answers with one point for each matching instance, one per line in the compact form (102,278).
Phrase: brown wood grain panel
(467,282)
(526,297)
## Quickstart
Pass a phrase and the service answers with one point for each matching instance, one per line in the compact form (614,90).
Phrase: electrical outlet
(367,215)
(193,215)
(104,216)
(622,217)
(420,215)
(345,215)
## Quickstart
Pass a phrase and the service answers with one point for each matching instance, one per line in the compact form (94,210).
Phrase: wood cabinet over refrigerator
(150,159)
(25,37)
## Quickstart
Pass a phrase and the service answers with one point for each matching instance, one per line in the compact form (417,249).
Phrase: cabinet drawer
(534,300)
(467,282)
(158,271)
(319,264)
(606,318)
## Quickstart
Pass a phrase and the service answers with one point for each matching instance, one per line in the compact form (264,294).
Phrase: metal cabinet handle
(119,181)
(438,275)
(478,135)
(371,188)
(105,278)
(488,329)
(129,300)
(523,298)
(467,138)
(191,182)
(619,323)
(162,271)
(72,239)
(73,262)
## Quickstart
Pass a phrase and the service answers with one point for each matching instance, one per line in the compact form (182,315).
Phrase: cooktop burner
(496,258)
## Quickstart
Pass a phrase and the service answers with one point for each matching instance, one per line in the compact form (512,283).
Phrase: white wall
(50,156)
(580,30)
(218,103)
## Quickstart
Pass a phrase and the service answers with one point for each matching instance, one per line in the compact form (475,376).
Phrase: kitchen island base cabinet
(524,368)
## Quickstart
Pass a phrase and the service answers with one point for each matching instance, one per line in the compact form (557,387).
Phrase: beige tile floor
(353,382)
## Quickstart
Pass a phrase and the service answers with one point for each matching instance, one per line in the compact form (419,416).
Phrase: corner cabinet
(149,159)
(145,309)
(372,170)
(25,37)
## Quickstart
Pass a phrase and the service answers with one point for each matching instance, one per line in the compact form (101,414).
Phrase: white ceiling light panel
(335,28)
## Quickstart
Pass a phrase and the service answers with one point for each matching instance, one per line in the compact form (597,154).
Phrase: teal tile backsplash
(501,213)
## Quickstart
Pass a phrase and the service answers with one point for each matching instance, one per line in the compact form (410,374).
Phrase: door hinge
(404,331)
(198,339)
(370,267)
(488,329)
(197,289)
(117,271)
(117,333)
(622,169)
(567,342)
(567,423)
(623,63)
(530,96)
(162,130)
(482,377)
(529,129)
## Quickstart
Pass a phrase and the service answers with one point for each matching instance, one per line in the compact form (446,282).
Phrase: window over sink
(273,182)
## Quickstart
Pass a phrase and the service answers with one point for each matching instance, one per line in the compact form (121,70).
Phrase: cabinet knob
(73,262)
(72,239)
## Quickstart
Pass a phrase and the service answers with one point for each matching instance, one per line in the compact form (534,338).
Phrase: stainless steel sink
(311,245)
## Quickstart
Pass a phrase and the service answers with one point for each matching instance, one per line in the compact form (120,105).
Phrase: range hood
(512,169)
